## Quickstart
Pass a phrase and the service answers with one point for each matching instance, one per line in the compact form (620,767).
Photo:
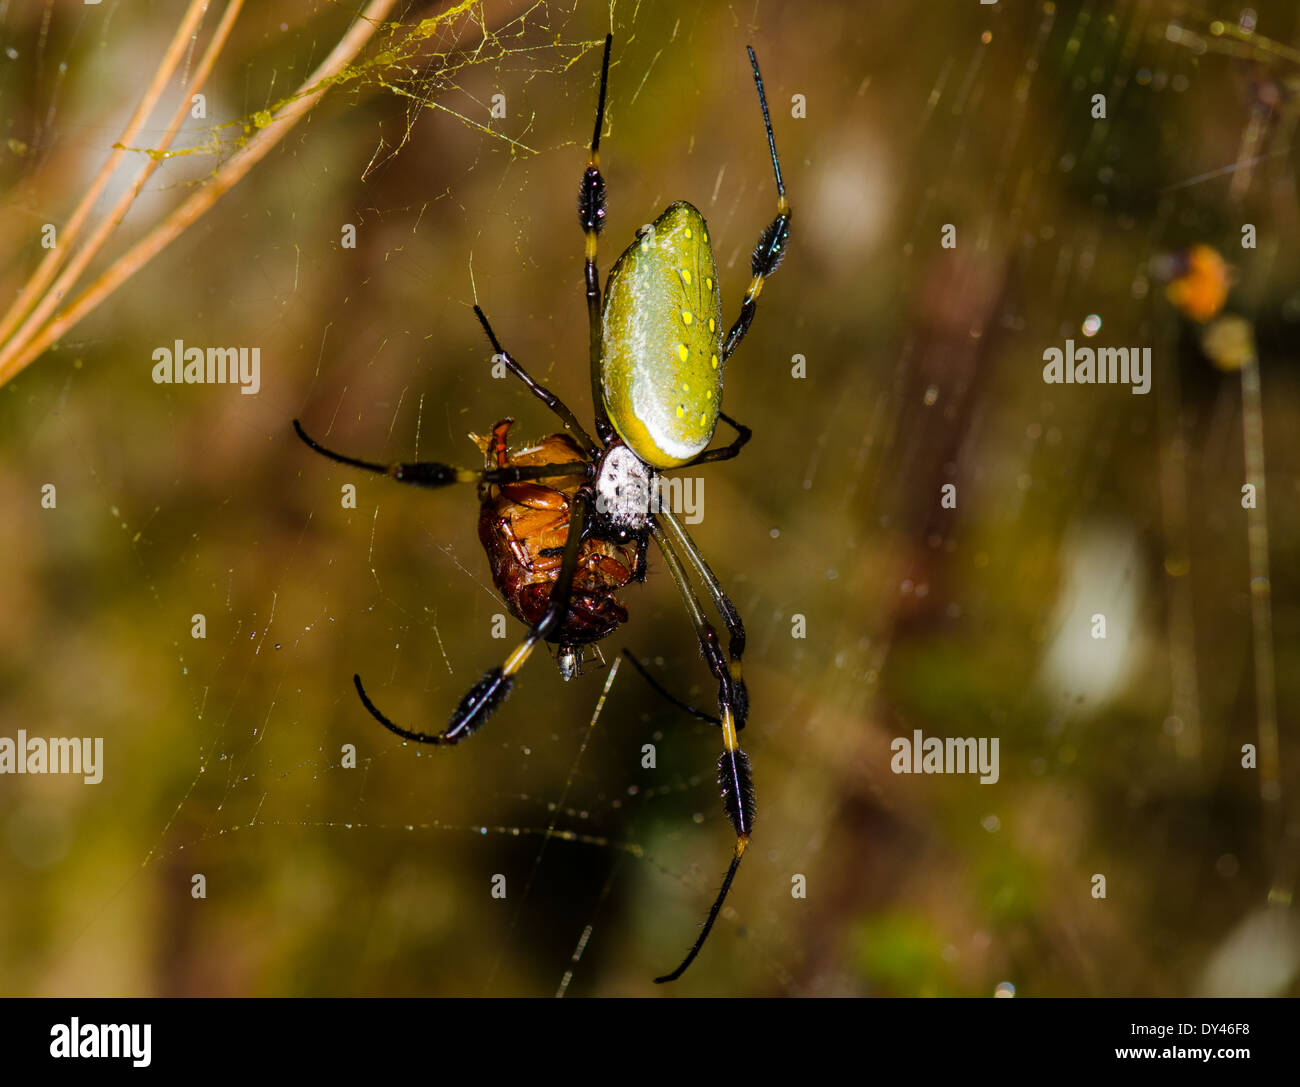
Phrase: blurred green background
(1120,757)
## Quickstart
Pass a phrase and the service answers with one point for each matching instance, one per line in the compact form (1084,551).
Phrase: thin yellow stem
(16,358)
(50,263)
(95,242)
(1261,603)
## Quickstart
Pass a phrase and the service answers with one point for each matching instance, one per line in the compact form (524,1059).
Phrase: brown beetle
(523,527)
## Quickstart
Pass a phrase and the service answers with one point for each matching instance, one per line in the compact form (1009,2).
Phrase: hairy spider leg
(538,390)
(734,776)
(721,601)
(771,243)
(591,216)
(495,685)
(666,694)
(723,452)
(428,473)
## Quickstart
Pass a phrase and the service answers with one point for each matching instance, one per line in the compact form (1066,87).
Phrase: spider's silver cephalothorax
(624,486)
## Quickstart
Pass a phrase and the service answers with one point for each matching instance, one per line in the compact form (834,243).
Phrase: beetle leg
(506,530)
(496,452)
(611,570)
(533,495)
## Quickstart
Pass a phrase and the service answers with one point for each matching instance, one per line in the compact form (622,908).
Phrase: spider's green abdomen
(661,371)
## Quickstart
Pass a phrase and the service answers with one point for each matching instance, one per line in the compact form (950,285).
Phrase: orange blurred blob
(1201,287)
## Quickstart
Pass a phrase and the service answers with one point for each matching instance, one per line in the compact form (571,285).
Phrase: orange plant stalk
(16,355)
(50,263)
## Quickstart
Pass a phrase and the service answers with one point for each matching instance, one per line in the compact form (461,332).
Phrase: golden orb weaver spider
(566,523)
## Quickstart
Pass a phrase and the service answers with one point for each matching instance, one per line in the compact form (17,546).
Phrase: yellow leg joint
(729,738)
(518,658)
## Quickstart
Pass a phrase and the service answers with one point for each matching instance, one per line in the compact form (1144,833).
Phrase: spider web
(225,756)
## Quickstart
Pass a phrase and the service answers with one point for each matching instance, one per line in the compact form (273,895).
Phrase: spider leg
(427,473)
(771,243)
(591,216)
(666,694)
(495,685)
(730,616)
(734,776)
(540,391)
(724,452)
